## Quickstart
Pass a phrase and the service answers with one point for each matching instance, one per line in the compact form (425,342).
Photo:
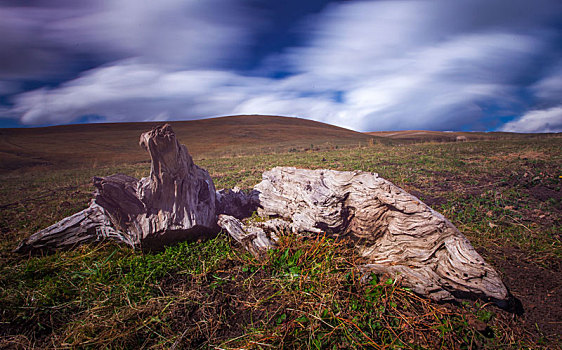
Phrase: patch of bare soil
(429,199)
(537,288)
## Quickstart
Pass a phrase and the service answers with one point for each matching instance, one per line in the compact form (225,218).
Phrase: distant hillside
(445,136)
(91,144)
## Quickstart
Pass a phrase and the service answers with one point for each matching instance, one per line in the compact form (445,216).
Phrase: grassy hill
(503,194)
(99,144)
(447,136)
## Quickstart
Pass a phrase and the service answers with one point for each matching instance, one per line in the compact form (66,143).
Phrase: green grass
(307,293)
(78,295)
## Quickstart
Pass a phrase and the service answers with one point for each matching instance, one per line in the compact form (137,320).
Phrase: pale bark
(175,203)
(89,225)
(400,235)
(256,238)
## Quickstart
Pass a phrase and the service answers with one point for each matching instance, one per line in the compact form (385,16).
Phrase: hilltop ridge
(117,142)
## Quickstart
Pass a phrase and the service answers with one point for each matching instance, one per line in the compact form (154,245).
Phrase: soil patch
(539,290)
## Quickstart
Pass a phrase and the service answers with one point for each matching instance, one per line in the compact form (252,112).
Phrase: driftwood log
(397,234)
(89,225)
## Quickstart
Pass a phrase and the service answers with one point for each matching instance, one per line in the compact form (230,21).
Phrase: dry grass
(310,291)
(95,145)
(446,136)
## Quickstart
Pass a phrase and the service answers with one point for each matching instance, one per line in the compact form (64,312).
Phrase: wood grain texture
(175,203)
(399,234)
(258,237)
(89,225)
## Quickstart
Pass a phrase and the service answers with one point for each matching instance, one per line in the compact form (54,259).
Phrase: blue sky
(364,65)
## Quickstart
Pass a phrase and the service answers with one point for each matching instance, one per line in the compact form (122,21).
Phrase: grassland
(504,195)
(92,145)
(444,136)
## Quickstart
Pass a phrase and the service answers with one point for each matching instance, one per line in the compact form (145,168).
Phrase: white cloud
(548,120)
(51,39)
(366,65)
(131,91)
(187,33)
(549,88)
(433,87)
(401,65)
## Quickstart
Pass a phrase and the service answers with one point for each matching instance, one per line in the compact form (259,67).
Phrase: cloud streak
(548,120)
(40,40)
(366,65)
(130,91)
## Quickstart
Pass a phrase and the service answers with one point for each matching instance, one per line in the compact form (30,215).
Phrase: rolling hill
(90,144)
(446,136)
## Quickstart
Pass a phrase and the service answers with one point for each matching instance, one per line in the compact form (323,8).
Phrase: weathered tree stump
(398,234)
(176,202)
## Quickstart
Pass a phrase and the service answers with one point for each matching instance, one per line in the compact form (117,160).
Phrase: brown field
(445,136)
(503,191)
(102,144)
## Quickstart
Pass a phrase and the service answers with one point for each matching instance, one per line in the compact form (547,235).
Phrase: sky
(471,65)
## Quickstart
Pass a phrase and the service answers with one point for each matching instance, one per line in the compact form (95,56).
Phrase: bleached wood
(399,234)
(89,225)
(258,237)
(175,203)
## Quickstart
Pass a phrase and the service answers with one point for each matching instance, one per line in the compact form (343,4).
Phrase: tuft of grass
(77,295)
(310,293)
